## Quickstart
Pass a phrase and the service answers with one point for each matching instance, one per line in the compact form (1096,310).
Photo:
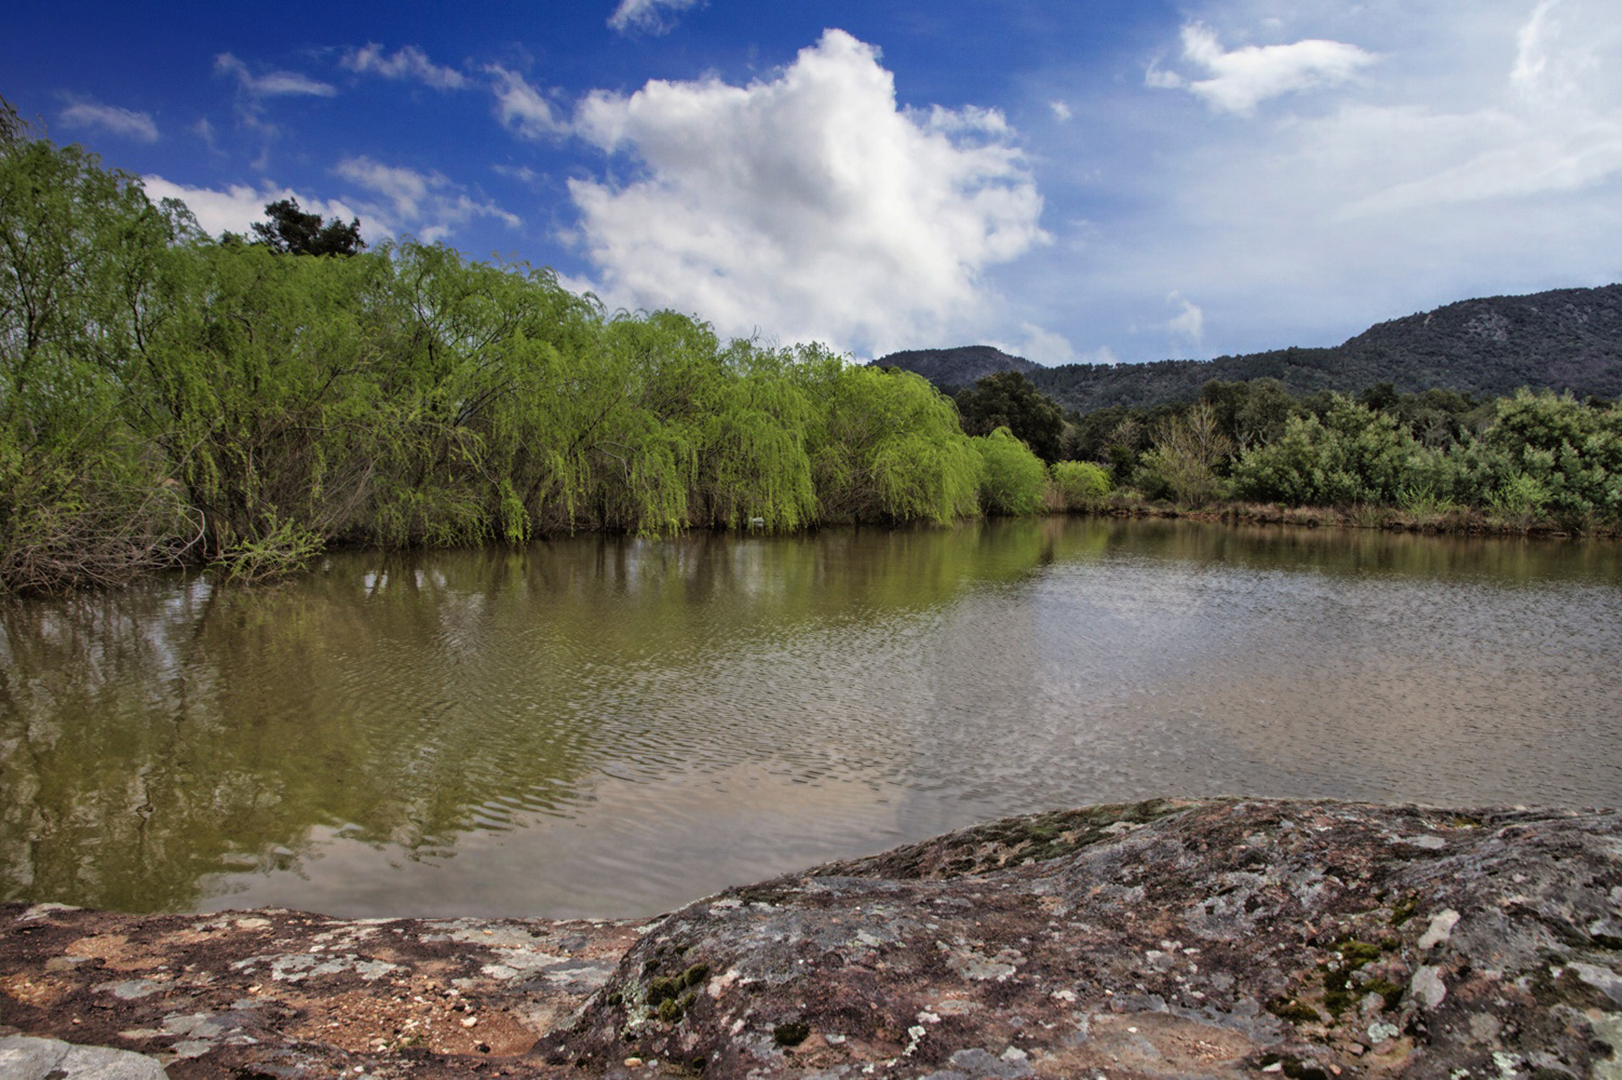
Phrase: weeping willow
(166,395)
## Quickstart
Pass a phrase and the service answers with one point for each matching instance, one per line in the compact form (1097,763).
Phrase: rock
(25,1058)
(1161,939)
(1210,938)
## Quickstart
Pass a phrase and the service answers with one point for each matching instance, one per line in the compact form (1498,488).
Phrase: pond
(612,727)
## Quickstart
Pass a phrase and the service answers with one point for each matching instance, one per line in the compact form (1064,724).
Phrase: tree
(1012,479)
(1008,399)
(291,231)
(14,130)
(1188,450)
(1250,413)
(84,282)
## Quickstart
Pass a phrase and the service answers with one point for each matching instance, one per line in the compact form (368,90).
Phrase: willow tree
(1013,479)
(262,391)
(885,445)
(753,466)
(482,380)
(82,264)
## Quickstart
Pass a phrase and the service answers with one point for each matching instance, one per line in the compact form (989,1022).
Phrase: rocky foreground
(1162,939)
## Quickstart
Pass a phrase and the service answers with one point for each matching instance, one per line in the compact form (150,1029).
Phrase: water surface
(612,727)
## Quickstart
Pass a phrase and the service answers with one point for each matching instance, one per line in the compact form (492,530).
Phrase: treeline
(1442,458)
(170,397)
(167,397)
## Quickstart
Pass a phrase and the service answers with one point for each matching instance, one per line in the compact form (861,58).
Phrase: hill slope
(963,366)
(1567,339)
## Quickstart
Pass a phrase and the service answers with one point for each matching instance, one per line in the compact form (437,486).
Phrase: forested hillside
(954,369)
(1565,340)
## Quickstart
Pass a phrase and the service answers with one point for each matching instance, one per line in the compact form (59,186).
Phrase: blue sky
(1084,181)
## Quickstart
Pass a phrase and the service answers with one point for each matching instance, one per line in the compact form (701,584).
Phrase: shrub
(1081,485)
(1013,479)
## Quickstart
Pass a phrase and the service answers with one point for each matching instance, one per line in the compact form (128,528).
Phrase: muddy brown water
(613,727)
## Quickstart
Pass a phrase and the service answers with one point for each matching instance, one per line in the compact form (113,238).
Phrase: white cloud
(428,203)
(239,206)
(252,90)
(808,204)
(1245,77)
(648,16)
(521,173)
(1557,127)
(85,113)
(1189,322)
(407,62)
(1481,155)
(522,109)
(1041,345)
(274,84)
(1061,110)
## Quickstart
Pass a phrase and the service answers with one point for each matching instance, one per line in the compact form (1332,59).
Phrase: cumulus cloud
(126,123)
(648,16)
(522,109)
(407,62)
(808,203)
(239,205)
(1243,78)
(430,204)
(272,84)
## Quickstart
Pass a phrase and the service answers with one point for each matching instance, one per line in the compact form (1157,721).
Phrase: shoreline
(1215,937)
(1455,522)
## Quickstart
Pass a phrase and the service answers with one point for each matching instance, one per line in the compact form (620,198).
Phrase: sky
(1086,181)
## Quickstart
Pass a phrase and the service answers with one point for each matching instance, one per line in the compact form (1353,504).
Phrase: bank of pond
(167,398)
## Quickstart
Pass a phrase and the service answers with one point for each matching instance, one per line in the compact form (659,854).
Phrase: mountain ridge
(1560,339)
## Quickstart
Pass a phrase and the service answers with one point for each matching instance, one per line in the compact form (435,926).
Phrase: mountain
(1567,339)
(952,369)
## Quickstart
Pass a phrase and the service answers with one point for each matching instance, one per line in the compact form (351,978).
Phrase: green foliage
(755,466)
(165,396)
(1565,454)
(884,446)
(1519,498)
(1082,485)
(1183,464)
(82,283)
(1249,413)
(1013,480)
(1007,399)
(1352,455)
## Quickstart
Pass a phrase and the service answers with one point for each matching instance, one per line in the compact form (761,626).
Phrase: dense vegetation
(1532,459)
(170,397)
(166,396)
(1565,340)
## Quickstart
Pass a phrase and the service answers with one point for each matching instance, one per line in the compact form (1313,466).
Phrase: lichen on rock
(1157,940)
(1161,939)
